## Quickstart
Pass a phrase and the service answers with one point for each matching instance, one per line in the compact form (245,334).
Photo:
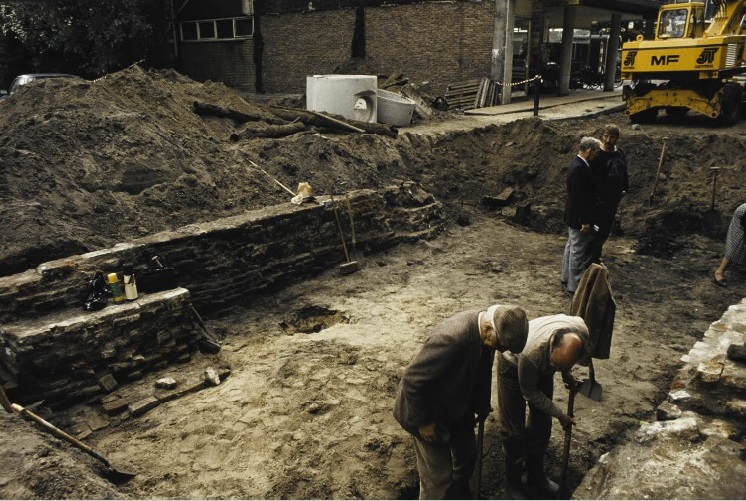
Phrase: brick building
(272,45)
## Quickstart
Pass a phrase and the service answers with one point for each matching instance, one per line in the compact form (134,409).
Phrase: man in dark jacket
(580,214)
(446,385)
(609,170)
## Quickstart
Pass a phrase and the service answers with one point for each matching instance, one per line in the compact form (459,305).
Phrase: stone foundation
(695,449)
(73,355)
(54,350)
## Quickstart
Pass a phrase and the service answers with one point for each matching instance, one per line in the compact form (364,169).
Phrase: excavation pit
(312,319)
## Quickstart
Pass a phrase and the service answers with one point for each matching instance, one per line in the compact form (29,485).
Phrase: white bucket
(393,108)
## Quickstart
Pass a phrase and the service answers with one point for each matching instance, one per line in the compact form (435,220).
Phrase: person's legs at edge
(565,273)
(435,468)
(538,431)
(720,271)
(511,413)
(580,257)
(464,453)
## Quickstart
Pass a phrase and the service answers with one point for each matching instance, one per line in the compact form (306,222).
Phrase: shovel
(116,475)
(712,216)
(350,266)
(649,201)
(355,254)
(480,457)
(209,343)
(562,494)
(591,388)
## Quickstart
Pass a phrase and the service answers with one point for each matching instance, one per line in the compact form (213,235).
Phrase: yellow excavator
(695,62)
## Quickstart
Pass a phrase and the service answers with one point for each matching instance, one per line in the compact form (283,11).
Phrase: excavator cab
(681,21)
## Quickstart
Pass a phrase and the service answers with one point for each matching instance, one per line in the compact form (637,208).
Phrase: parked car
(22,80)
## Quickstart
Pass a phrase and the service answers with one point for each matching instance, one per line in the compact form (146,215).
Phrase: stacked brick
(54,350)
(69,356)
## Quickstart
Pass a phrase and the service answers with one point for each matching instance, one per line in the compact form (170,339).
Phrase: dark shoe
(459,489)
(514,487)
(515,490)
(721,283)
(538,485)
(569,293)
(544,488)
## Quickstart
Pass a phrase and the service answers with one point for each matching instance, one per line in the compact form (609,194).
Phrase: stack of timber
(471,94)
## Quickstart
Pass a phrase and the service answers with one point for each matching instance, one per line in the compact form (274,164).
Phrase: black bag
(97,294)
(151,280)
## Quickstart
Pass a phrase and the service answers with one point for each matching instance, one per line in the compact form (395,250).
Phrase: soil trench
(306,410)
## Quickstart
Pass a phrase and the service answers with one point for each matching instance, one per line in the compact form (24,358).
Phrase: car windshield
(22,80)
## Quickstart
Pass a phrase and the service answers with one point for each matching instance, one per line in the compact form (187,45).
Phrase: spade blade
(591,389)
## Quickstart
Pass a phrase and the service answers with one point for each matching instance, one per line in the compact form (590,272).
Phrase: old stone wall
(73,355)
(53,349)
(695,449)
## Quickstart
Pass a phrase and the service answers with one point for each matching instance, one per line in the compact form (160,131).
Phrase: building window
(231,28)
(206,30)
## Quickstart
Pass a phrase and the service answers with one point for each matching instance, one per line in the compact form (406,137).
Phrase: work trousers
(579,254)
(606,216)
(445,468)
(519,437)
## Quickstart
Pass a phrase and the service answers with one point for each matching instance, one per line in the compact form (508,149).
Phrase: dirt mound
(84,165)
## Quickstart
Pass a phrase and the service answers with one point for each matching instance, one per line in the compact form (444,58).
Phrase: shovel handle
(568,438)
(58,433)
(339,225)
(658,174)
(480,457)
(349,213)
(273,179)
(4,401)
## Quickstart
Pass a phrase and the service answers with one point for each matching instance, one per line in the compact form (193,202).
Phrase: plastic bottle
(116,288)
(130,283)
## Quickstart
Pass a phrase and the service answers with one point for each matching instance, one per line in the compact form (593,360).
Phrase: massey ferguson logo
(664,60)
(630,59)
(707,56)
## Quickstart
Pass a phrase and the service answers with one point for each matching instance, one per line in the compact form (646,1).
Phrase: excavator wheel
(644,117)
(676,112)
(731,105)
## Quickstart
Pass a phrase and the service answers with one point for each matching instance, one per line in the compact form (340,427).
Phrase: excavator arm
(728,18)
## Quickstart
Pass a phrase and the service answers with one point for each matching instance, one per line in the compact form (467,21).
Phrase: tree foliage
(92,36)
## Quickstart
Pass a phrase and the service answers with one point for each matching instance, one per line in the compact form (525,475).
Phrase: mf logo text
(664,60)
(707,56)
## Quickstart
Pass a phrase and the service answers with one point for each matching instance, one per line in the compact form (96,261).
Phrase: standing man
(609,170)
(555,343)
(446,385)
(580,214)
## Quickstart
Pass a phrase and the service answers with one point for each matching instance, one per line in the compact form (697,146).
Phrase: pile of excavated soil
(85,165)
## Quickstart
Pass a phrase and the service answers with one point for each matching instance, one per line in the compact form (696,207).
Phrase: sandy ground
(308,414)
